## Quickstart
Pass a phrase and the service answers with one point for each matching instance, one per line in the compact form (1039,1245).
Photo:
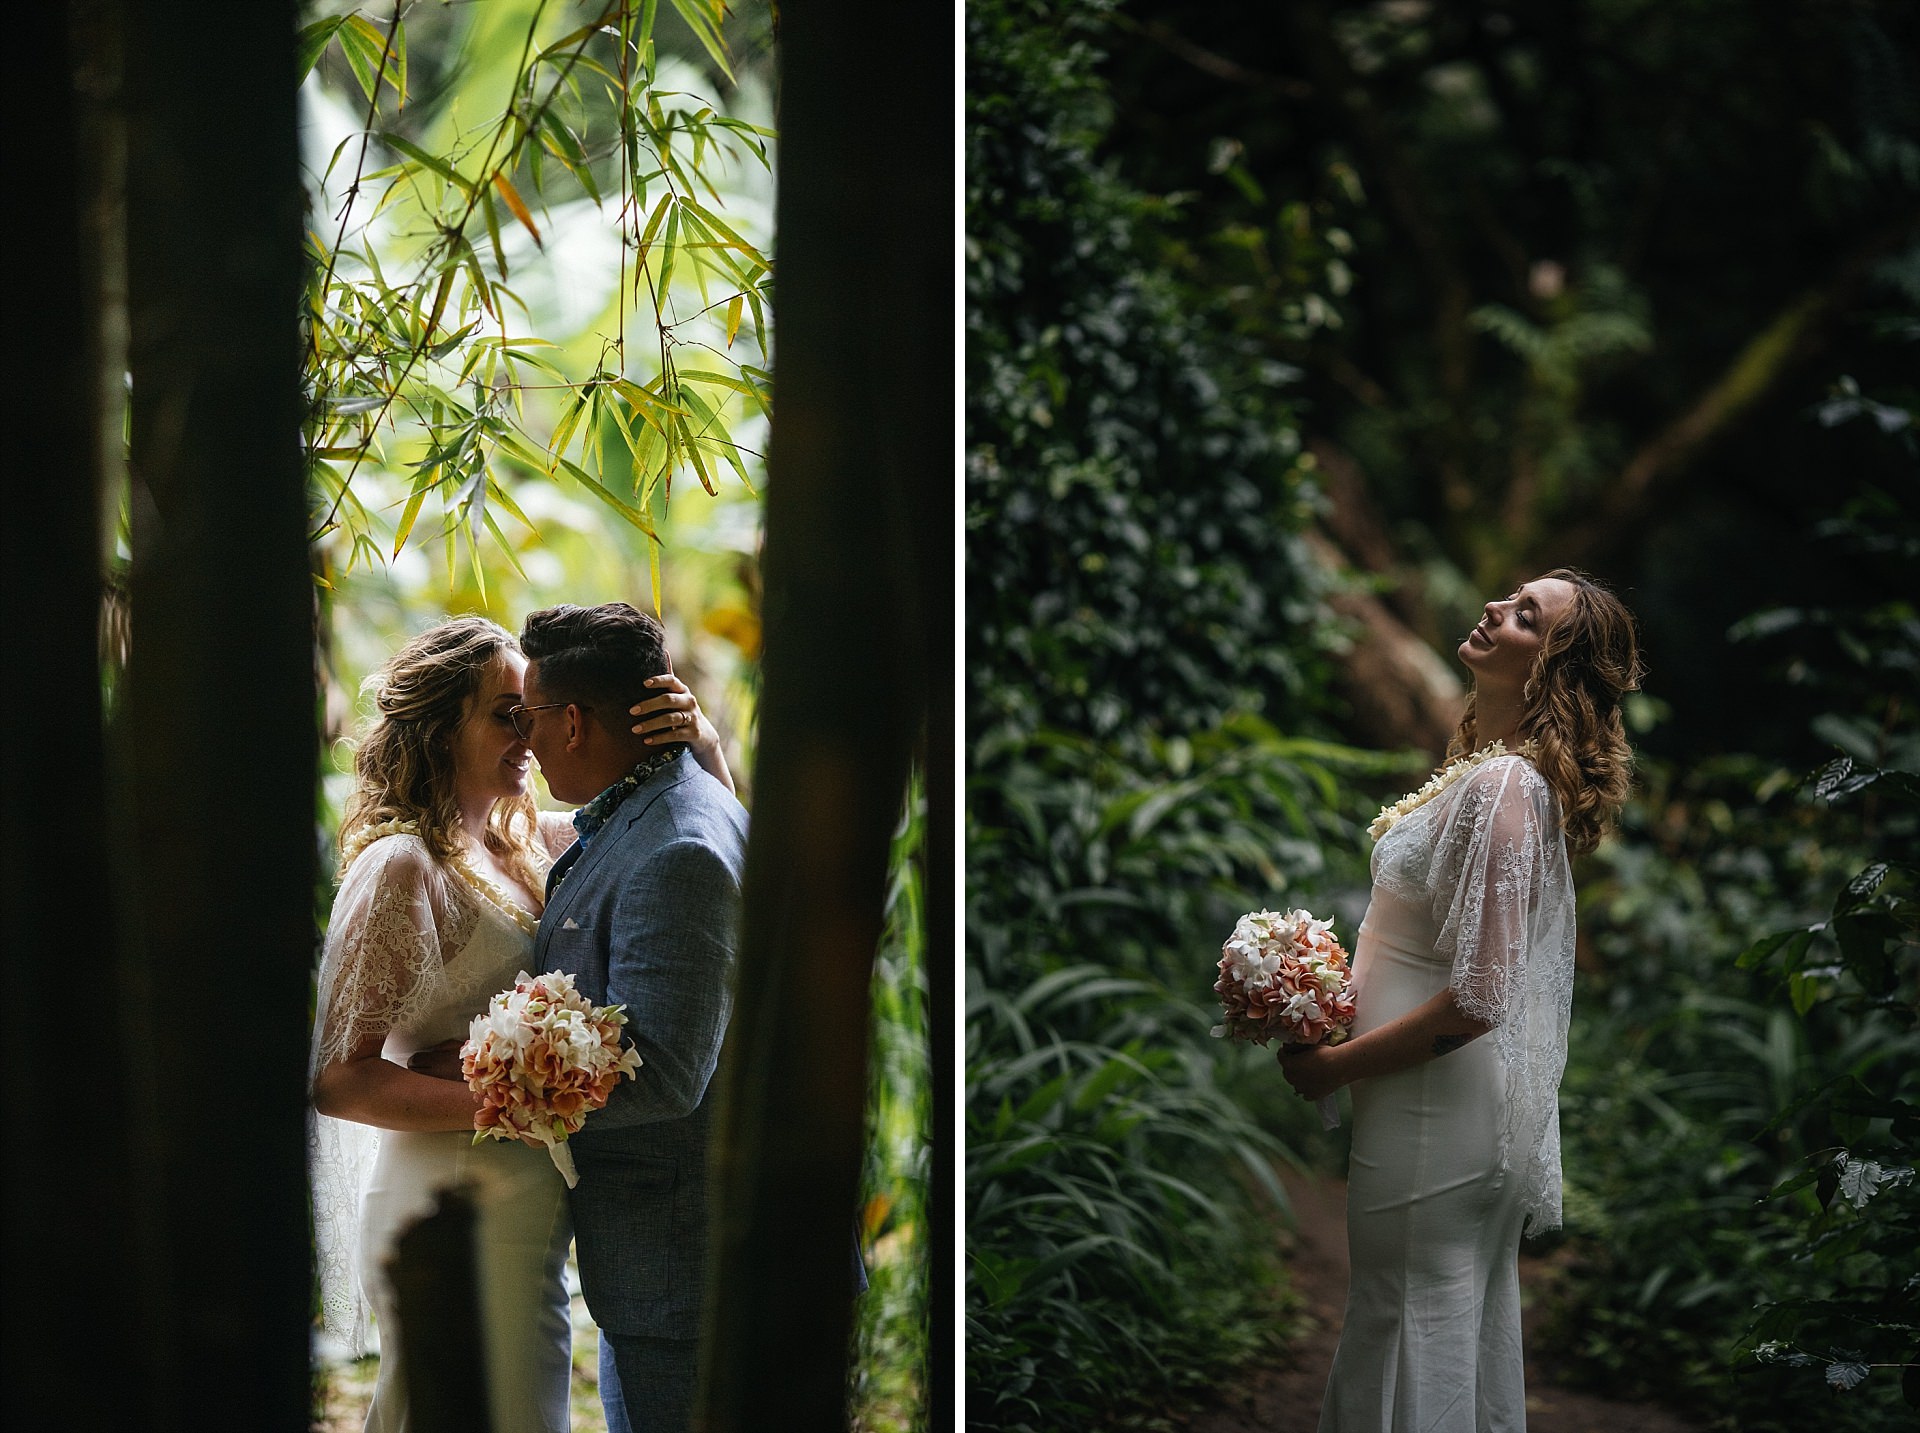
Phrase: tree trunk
(219,719)
(1399,692)
(859,575)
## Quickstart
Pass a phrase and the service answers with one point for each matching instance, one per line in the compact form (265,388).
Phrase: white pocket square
(569,924)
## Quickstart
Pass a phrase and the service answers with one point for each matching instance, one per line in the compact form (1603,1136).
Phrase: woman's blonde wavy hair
(404,763)
(1588,661)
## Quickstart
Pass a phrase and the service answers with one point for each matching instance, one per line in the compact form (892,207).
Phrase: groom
(644,912)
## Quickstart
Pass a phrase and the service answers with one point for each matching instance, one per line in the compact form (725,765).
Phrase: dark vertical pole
(858,620)
(436,1291)
(220,707)
(69,1186)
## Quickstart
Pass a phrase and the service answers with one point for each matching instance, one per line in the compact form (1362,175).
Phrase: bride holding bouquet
(443,861)
(1463,990)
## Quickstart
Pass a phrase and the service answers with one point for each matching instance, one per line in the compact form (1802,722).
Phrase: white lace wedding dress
(417,950)
(1471,891)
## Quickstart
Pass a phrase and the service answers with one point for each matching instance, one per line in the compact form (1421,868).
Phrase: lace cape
(399,921)
(1488,859)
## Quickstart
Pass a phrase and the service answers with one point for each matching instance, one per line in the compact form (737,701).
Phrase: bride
(1470,932)
(443,862)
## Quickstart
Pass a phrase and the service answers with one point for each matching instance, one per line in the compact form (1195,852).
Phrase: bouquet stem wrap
(542,1058)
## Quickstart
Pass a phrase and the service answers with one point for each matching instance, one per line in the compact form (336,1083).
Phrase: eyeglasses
(517,715)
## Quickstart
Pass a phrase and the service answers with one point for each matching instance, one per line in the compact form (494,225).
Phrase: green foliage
(1117,1156)
(889,1393)
(429,361)
(1144,626)
(1679,1061)
(1742,1106)
(1132,491)
(1137,594)
(541,301)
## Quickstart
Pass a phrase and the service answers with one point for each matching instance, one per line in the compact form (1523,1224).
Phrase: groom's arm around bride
(644,912)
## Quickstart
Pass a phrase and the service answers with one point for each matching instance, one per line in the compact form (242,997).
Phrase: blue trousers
(647,1384)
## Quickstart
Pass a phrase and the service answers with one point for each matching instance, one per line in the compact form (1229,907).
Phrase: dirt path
(1286,1399)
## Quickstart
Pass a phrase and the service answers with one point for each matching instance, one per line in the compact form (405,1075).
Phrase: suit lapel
(576,865)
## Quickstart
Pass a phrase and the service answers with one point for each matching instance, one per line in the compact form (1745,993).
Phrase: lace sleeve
(381,964)
(556,830)
(379,967)
(1503,904)
(1490,866)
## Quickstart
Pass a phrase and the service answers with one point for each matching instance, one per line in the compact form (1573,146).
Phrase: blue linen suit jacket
(647,916)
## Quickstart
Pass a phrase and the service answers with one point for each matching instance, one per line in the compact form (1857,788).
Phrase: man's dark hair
(598,657)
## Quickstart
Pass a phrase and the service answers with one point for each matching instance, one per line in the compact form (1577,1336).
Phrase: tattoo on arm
(1445,1044)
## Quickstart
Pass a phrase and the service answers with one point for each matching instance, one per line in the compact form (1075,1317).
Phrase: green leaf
(500,537)
(367,52)
(423,480)
(564,429)
(704,18)
(653,227)
(313,43)
(669,249)
(1756,953)
(565,146)
(505,500)
(402,145)
(492,217)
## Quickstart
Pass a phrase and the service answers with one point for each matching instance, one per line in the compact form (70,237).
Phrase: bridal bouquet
(542,1058)
(1284,974)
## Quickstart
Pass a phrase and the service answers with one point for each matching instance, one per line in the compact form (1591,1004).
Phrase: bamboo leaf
(454,340)
(400,60)
(402,145)
(492,217)
(759,319)
(422,481)
(733,318)
(440,298)
(505,546)
(716,225)
(644,399)
(313,43)
(565,146)
(653,227)
(568,41)
(703,19)
(505,500)
(512,196)
(668,250)
(564,429)
(367,54)
(699,463)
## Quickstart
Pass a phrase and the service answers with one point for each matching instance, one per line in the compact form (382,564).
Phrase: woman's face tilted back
(1500,651)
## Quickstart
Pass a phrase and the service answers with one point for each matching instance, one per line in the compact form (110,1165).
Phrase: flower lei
(483,885)
(1391,816)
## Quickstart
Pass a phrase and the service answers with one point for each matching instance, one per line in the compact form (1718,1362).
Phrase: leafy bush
(1742,1105)
(1133,496)
(1115,1153)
